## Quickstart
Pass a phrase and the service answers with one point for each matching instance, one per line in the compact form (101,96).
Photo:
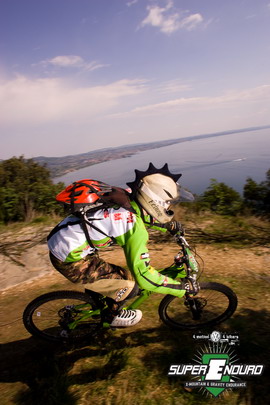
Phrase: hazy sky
(78,75)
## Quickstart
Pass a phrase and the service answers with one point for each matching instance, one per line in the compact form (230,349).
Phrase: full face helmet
(155,190)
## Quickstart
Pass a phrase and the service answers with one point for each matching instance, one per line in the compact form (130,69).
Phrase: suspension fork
(192,304)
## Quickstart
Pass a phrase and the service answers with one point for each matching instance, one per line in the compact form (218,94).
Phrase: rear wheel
(212,305)
(50,316)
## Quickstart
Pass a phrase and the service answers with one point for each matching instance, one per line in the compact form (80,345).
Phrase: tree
(26,187)
(257,195)
(222,199)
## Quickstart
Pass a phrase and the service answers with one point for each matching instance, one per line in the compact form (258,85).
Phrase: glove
(174,227)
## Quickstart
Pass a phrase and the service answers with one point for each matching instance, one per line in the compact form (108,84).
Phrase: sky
(80,75)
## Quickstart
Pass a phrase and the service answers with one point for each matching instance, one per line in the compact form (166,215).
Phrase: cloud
(66,60)
(168,21)
(132,2)
(71,61)
(174,86)
(31,102)
(191,21)
(227,100)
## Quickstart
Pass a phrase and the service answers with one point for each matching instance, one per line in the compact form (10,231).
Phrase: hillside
(129,365)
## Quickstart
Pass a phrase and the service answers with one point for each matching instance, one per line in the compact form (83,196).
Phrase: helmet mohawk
(151,170)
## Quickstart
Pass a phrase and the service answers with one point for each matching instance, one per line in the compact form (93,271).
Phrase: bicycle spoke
(52,315)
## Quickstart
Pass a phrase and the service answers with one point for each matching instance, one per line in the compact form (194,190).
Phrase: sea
(230,158)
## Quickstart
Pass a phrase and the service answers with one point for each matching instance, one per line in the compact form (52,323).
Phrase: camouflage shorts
(89,269)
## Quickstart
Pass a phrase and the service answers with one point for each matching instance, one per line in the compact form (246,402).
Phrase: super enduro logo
(217,367)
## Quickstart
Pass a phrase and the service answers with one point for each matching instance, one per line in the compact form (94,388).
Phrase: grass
(239,231)
(37,221)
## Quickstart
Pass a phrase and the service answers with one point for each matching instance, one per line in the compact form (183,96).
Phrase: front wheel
(52,316)
(212,305)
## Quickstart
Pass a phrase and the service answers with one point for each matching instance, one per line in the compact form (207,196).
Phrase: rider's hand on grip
(175,227)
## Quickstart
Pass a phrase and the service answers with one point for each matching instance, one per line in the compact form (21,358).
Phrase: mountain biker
(74,246)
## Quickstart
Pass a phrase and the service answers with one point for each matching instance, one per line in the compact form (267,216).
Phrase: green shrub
(26,188)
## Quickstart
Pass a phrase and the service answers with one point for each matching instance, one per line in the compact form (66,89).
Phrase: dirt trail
(25,259)
(227,261)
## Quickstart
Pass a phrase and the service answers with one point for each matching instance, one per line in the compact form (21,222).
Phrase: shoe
(127,317)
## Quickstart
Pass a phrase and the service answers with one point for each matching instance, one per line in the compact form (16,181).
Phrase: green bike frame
(187,268)
(144,295)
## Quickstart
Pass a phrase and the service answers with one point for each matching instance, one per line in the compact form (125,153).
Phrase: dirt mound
(23,255)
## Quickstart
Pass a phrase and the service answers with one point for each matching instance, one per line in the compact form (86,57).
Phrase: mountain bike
(70,316)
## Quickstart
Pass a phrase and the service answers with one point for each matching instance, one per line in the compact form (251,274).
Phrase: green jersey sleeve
(134,243)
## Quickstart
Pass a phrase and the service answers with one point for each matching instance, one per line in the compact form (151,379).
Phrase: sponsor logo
(120,294)
(130,218)
(216,367)
(232,339)
(155,208)
(152,270)
(165,281)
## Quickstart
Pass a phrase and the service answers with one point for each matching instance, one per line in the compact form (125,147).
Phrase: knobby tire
(41,316)
(218,303)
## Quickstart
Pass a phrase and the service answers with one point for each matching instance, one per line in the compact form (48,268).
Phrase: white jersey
(68,243)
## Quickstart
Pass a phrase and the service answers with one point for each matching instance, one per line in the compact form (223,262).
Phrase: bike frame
(185,267)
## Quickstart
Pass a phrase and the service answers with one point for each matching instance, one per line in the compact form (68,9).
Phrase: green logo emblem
(216,363)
